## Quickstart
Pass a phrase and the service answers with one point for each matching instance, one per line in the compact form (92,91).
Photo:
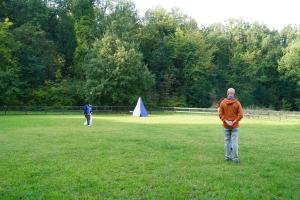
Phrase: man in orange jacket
(231,112)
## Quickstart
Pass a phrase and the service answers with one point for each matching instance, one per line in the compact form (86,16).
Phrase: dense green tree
(21,12)
(191,58)
(290,62)
(178,55)
(64,92)
(38,56)
(289,34)
(59,52)
(220,41)
(66,40)
(289,66)
(85,29)
(10,82)
(254,62)
(116,74)
(123,21)
(61,29)
(246,58)
(159,26)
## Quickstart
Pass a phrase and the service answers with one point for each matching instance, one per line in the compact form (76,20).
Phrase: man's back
(231,110)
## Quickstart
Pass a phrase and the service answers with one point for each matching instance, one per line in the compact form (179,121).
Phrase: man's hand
(229,123)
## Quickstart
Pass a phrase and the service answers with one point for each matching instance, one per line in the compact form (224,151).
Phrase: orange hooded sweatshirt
(231,110)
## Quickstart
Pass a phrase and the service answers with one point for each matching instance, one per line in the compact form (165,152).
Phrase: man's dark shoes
(228,159)
(236,160)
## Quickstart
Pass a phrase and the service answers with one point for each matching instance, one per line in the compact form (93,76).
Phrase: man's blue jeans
(231,143)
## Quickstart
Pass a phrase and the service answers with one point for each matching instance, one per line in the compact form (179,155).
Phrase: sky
(276,14)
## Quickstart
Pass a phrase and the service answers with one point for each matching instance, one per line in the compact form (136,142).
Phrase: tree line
(68,52)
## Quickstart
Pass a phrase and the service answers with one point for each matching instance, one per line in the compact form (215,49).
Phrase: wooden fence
(44,110)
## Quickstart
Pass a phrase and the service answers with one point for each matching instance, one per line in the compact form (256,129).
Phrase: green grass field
(159,157)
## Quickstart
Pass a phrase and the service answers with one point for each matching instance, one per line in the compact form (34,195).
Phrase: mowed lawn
(158,157)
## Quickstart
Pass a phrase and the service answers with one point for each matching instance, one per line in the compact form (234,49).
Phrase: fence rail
(27,110)
(44,110)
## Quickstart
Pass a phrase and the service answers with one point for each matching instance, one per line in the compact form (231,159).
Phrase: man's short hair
(231,91)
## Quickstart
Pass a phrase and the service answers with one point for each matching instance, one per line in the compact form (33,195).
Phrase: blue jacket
(87,109)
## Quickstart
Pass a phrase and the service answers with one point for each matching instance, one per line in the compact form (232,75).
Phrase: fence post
(279,115)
